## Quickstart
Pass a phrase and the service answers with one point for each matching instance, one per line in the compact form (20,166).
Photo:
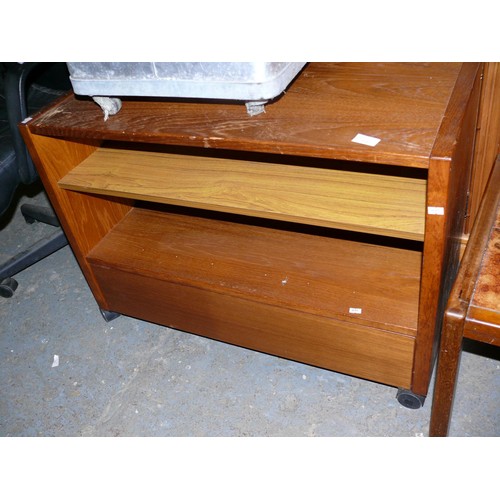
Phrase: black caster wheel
(109,315)
(409,399)
(8,287)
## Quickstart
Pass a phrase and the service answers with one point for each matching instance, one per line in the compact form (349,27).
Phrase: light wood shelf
(358,201)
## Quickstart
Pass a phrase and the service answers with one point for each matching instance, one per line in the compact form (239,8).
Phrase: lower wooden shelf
(344,305)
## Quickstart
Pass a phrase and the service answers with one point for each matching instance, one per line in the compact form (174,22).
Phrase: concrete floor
(133,378)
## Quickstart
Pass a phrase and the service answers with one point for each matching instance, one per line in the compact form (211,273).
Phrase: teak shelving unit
(277,232)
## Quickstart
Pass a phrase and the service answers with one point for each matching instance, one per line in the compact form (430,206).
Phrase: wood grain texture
(402,104)
(310,273)
(480,245)
(196,285)
(371,203)
(424,115)
(460,319)
(447,370)
(448,177)
(336,345)
(85,219)
(488,137)
(483,317)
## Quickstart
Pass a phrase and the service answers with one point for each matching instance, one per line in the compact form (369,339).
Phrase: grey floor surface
(133,378)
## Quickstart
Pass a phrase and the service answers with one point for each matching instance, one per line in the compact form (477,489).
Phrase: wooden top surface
(402,104)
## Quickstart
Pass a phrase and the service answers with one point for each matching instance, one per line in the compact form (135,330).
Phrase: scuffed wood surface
(402,104)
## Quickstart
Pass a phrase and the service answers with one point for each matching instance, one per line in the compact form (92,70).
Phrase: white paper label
(355,310)
(366,140)
(435,210)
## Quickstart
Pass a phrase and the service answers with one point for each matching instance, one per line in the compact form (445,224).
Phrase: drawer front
(341,346)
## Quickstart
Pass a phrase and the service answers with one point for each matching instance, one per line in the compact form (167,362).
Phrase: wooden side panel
(432,270)
(449,175)
(488,138)
(85,219)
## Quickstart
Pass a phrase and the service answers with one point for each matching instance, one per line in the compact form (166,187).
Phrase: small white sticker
(355,310)
(435,210)
(367,140)
(56,361)
(26,120)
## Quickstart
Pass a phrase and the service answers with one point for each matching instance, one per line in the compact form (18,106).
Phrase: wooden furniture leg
(447,372)
(473,309)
